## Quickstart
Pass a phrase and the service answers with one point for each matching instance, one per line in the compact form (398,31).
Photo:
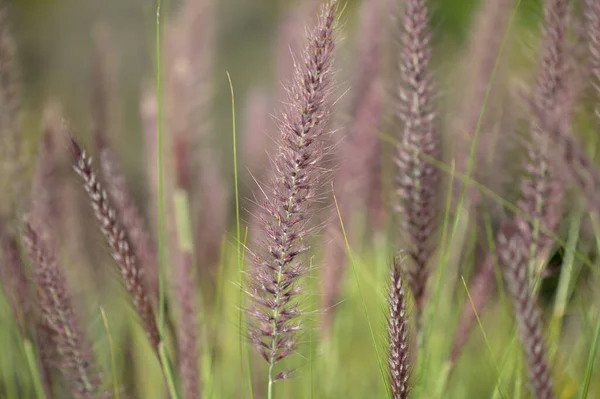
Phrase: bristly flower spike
(58,313)
(514,260)
(398,360)
(118,241)
(417,179)
(274,282)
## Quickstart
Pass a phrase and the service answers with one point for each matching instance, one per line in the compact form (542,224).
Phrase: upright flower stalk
(417,179)
(275,279)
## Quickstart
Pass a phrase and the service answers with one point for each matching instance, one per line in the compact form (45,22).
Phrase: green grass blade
(590,361)
(485,337)
(240,261)
(33,369)
(168,371)
(566,275)
(113,362)
(160,200)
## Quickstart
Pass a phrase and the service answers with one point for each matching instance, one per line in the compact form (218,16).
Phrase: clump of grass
(274,283)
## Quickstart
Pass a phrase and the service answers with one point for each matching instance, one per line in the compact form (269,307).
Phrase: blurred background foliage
(56,50)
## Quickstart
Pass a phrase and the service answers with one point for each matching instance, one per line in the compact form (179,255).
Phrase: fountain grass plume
(513,255)
(76,361)
(417,180)
(542,192)
(274,283)
(118,240)
(131,218)
(398,360)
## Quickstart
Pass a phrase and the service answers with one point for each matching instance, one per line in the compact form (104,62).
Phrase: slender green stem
(167,370)
(160,200)
(270,386)
(240,258)
(485,337)
(163,353)
(590,361)
(113,362)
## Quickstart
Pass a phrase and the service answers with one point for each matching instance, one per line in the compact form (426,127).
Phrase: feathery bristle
(275,279)
(417,179)
(118,241)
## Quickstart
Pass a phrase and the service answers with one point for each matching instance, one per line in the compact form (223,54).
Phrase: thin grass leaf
(34,370)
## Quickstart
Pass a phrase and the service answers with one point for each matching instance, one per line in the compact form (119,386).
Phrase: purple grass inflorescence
(274,280)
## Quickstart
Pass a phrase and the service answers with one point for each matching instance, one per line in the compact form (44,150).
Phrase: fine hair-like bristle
(417,179)
(398,360)
(118,240)
(514,260)
(274,282)
(76,360)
